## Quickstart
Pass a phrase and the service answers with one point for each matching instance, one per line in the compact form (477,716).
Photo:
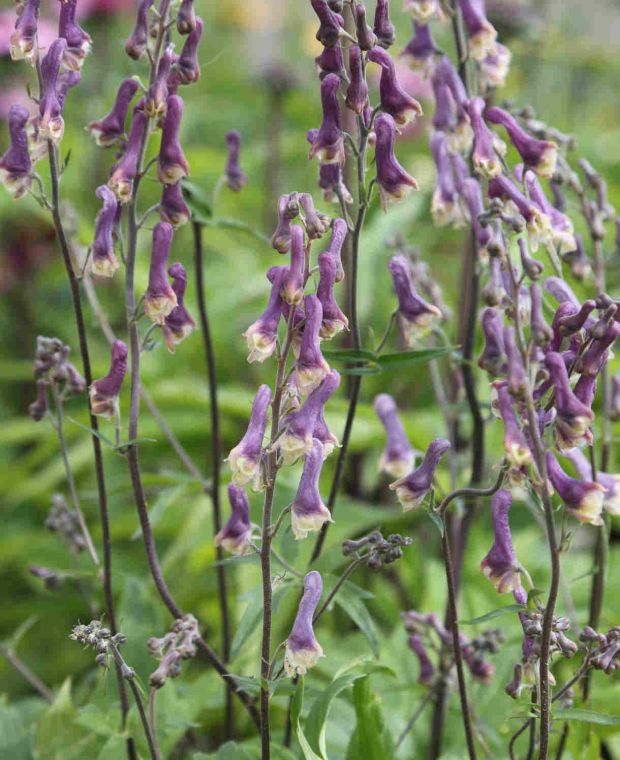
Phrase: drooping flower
(186,17)
(334,320)
(383,27)
(517,375)
(23,41)
(15,164)
(302,649)
(493,358)
(415,316)
(236,534)
(500,564)
(357,92)
(235,177)
(245,458)
(539,155)
(292,289)
(261,335)
(366,38)
(339,233)
(445,207)
(179,323)
(308,513)
(594,357)
(574,418)
(330,30)
(328,145)
(583,499)
(311,368)
(540,331)
(136,43)
(104,393)
(331,61)
(516,448)
(110,129)
(419,52)
(79,42)
(104,263)
(562,231)
(50,123)
(411,490)
(172,206)
(460,133)
(187,67)
(160,299)
(124,172)
(611,483)
(172,165)
(427,669)
(316,223)
(398,457)
(493,69)
(156,102)
(538,223)
(281,238)
(481,34)
(394,100)
(493,293)
(486,145)
(394,182)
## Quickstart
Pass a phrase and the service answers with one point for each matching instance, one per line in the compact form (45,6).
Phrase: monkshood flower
(594,357)
(187,67)
(233,173)
(424,10)
(281,238)
(103,262)
(331,61)
(38,408)
(323,434)
(516,448)
(160,299)
(104,393)
(492,359)
(411,490)
(561,290)
(292,289)
(419,52)
(330,29)
(357,92)
(296,440)
(328,145)
(481,34)
(179,323)
(578,259)
(308,513)
(517,375)
(583,499)
(311,368)
(124,172)
(444,119)
(236,533)
(541,333)
(445,73)
(493,69)
(532,268)
(302,649)
(186,17)
(471,192)
(562,231)
(50,123)
(569,319)
(15,164)
(366,38)
(316,224)
(427,669)
(79,42)
(394,100)
(334,321)
(415,316)
(493,293)
(500,565)
(172,165)
(261,335)
(398,457)
(23,41)
(136,43)
(539,155)
(172,206)
(445,207)
(383,27)
(538,223)
(339,233)
(585,389)
(245,458)
(486,146)
(157,96)
(111,128)
(394,182)
(574,418)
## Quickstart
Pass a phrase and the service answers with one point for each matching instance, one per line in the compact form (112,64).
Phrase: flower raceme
(500,564)
(398,457)
(245,458)
(104,393)
(308,512)
(411,490)
(302,649)
(235,536)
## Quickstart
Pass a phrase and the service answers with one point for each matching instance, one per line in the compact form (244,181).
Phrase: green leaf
(587,716)
(371,739)
(58,736)
(198,200)
(297,705)
(507,609)
(437,520)
(416,356)
(18,634)
(349,354)
(253,615)
(90,430)
(358,612)
(234,224)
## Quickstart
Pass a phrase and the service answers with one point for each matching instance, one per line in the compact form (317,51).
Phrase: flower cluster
(100,638)
(64,521)
(175,646)
(53,368)
(375,550)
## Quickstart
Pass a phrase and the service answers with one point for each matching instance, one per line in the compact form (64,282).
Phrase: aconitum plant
(542,454)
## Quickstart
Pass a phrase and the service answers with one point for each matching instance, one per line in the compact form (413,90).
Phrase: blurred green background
(258,77)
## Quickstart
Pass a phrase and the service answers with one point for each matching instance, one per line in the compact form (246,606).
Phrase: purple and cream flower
(302,649)
(611,483)
(540,331)
(235,536)
(486,144)
(331,61)
(493,69)
(79,42)
(398,457)
(172,206)
(562,231)
(539,155)
(322,433)
(339,233)
(124,172)
(394,182)
(481,34)
(415,316)
(471,193)
(394,100)
(50,124)
(493,358)
(538,223)
(419,52)
(160,299)
(23,41)
(330,29)
(111,128)
(186,17)
(308,513)
(136,43)
(328,145)
(38,408)
(457,126)
(311,368)
(445,206)
(281,238)
(179,323)
(316,223)
(103,262)
(104,393)
(187,67)
(261,335)
(383,27)
(245,458)
(411,490)
(157,96)
(234,174)
(574,418)
(15,164)
(357,92)
(516,448)
(172,165)
(334,320)
(292,288)
(583,499)
(517,374)
(500,564)
(427,669)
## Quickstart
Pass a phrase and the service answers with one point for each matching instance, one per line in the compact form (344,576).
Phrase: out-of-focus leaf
(58,735)
(236,225)
(507,609)
(197,199)
(371,739)
(587,716)
(15,728)
(254,614)
(368,369)
(358,612)
(349,354)
(296,708)
(416,356)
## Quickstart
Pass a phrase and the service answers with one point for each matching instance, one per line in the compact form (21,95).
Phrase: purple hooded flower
(583,499)
(394,182)
(492,359)
(500,565)
(339,233)
(398,457)
(334,321)
(124,172)
(394,100)
(311,368)
(79,42)
(419,52)
(50,123)
(292,289)
(471,193)
(38,409)
(187,67)
(316,224)
(460,131)
(104,263)
(308,513)
(330,29)
(415,316)
(366,38)
(23,41)
(235,178)
(323,434)
(517,375)
(302,649)
(383,27)
(516,448)
(281,238)
(561,291)
(245,458)
(357,91)
(570,318)
(104,393)
(110,129)
(424,10)
(172,165)
(235,535)
(493,293)
(445,207)
(427,669)
(331,61)
(611,483)
(328,146)
(261,335)
(562,231)
(574,418)
(179,323)
(541,333)
(481,34)
(538,223)
(160,299)
(157,97)
(577,259)
(186,17)
(136,43)
(411,490)
(172,206)
(486,145)
(585,389)
(493,69)
(594,357)
(539,155)
(15,164)
(296,440)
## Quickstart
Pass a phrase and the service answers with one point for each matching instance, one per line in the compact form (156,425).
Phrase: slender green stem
(412,721)
(345,575)
(32,678)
